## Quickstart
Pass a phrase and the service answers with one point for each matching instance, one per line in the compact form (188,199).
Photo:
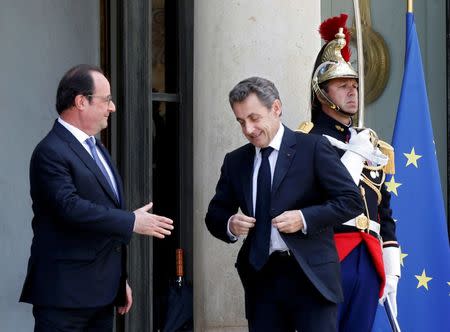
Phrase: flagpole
(410,6)
(359,46)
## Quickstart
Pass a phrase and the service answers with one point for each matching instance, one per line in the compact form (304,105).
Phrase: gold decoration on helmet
(333,61)
(333,64)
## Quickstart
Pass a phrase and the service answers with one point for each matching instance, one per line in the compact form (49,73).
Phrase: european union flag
(423,295)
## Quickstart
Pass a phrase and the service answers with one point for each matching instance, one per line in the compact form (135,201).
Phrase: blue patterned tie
(91,143)
(259,250)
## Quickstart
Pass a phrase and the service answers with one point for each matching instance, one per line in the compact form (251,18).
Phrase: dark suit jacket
(78,253)
(308,176)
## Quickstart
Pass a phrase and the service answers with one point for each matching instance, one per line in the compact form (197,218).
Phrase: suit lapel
(285,157)
(90,163)
(247,177)
(86,158)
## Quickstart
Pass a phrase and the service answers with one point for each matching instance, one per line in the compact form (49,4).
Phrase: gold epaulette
(387,150)
(305,127)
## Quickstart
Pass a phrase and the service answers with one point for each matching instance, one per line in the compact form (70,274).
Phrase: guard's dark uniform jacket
(376,197)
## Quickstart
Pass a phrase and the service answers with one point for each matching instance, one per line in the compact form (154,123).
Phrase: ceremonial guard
(367,245)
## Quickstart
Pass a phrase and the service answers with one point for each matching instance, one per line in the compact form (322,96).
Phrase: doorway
(147,48)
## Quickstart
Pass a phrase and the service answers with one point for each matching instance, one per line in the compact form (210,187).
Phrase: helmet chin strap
(322,95)
(324,98)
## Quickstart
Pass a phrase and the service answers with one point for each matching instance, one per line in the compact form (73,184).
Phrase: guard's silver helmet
(333,60)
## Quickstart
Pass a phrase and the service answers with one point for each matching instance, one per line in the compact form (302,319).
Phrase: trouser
(282,299)
(49,319)
(361,285)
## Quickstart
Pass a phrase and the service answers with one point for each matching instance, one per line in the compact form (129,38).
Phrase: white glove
(361,139)
(390,291)
(354,164)
(360,143)
(391,258)
(358,146)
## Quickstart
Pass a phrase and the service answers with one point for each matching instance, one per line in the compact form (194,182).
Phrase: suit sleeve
(222,206)
(342,199)
(52,185)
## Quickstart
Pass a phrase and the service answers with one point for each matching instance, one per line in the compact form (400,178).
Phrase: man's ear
(276,107)
(80,102)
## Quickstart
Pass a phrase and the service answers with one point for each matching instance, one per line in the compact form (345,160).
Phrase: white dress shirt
(276,242)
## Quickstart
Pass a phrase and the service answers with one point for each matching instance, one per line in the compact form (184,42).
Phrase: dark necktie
(91,143)
(259,250)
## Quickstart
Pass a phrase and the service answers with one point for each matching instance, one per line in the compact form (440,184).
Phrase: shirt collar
(276,141)
(80,135)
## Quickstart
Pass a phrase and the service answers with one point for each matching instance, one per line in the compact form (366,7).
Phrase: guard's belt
(370,224)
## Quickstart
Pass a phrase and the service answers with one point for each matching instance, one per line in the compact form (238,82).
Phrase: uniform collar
(332,127)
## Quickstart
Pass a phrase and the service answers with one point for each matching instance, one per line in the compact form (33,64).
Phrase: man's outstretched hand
(151,224)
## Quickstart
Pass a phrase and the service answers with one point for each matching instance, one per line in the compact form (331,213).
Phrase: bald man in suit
(77,267)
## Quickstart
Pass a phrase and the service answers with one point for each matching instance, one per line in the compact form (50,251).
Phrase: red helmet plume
(330,27)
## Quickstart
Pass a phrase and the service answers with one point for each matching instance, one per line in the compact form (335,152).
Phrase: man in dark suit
(77,267)
(291,189)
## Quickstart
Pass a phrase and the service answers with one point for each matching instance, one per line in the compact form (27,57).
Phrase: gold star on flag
(412,158)
(392,186)
(402,256)
(423,280)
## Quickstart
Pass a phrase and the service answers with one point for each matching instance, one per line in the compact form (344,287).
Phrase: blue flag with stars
(423,294)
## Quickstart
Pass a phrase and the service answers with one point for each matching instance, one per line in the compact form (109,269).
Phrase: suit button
(118,249)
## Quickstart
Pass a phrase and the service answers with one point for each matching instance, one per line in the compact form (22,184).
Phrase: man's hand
(151,224)
(390,290)
(391,260)
(288,222)
(240,224)
(129,301)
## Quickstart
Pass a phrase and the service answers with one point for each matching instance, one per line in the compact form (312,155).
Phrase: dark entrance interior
(147,50)
(170,145)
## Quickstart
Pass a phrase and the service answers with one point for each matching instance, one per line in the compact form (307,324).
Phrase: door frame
(126,58)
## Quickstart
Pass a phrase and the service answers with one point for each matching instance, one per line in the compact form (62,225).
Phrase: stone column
(234,40)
